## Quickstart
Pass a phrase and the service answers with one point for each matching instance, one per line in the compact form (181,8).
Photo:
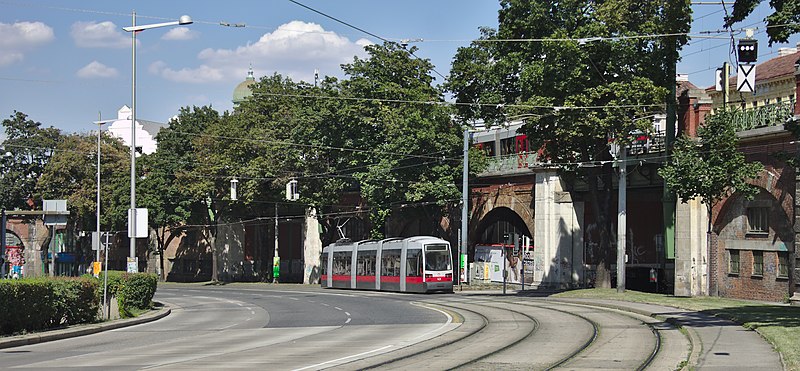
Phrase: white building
(145,131)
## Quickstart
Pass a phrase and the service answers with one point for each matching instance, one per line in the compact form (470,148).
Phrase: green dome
(243,90)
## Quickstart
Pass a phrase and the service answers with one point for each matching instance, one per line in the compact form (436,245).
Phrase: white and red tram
(413,264)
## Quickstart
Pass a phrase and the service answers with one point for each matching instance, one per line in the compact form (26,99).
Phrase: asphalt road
(296,327)
(227,327)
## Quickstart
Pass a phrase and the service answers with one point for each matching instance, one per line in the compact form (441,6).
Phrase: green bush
(132,290)
(33,304)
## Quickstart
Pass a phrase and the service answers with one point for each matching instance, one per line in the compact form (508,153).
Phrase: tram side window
(390,263)
(323,264)
(341,263)
(414,263)
(365,263)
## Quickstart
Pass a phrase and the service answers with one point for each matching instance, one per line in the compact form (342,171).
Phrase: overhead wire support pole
(465,207)
(622,224)
(132,211)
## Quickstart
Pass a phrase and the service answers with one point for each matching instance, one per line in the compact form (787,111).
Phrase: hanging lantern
(291,191)
(234,194)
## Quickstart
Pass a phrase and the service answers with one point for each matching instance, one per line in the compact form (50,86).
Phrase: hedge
(32,304)
(35,304)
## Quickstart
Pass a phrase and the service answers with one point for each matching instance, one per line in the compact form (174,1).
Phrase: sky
(67,63)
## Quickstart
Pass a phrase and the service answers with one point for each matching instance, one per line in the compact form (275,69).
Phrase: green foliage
(30,147)
(33,304)
(134,291)
(576,81)
(781,24)
(713,168)
(334,141)
(71,174)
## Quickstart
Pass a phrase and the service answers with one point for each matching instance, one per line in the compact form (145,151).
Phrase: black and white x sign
(746,78)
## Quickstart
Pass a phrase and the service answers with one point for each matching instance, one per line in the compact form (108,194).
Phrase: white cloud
(295,49)
(188,75)
(179,33)
(97,70)
(17,38)
(100,35)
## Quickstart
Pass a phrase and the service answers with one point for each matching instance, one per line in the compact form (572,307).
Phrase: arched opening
(500,222)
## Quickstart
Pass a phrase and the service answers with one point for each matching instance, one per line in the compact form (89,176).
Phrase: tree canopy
(782,23)
(580,74)
(26,151)
(712,168)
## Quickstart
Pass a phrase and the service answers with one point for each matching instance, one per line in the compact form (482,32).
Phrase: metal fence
(763,116)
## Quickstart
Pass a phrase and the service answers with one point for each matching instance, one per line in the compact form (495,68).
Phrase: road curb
(81,330)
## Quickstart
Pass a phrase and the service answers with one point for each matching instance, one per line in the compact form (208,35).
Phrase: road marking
(293,298)
(327,305)
(337,308)
(449,319)
(348,320)
(343,358)
(347,313)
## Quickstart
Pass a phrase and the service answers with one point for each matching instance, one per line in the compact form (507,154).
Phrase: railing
(506,164)
(767,115)
(652,143)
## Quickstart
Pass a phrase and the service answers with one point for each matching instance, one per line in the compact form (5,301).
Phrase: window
(733,262)
(342,263)
(758,220)
(365,263)
(390,263)
(507,146)
(323,264)
(783,264)
(758,263)
(414,263)
(437,258)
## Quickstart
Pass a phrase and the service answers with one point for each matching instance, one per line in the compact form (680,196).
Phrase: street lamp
(133,29)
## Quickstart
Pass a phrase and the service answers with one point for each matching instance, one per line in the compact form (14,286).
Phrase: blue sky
(64,62)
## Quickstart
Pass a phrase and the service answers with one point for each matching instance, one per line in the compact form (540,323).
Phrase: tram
(413,264)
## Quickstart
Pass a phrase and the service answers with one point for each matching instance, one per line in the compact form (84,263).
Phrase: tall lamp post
(133,29)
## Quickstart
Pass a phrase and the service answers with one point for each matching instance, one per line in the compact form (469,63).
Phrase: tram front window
(437,258)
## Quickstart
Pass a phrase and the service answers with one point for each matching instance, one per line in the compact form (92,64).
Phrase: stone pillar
(558,234)
(312,248)
(691,252)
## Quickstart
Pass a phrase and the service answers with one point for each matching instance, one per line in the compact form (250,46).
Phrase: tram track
(513,330)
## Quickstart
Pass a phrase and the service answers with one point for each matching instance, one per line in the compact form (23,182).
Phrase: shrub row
(32,304)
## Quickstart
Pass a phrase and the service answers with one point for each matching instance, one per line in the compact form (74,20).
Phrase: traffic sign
(746,78)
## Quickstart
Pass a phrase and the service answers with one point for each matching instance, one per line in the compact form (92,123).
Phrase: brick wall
(777,185)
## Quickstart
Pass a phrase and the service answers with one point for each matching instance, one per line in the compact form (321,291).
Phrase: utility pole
(622,226)
(465,208)
(3,243)
(668,197)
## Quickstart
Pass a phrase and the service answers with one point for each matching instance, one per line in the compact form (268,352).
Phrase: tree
(71,174)
(170,204)
(596,80)
(26,151)
(713,168)
(414,147)
(782,23)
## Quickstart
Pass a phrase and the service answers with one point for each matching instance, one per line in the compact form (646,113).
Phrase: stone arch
(503,214)
(507,198)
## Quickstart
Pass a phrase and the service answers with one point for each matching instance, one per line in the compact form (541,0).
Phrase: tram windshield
(437,257)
